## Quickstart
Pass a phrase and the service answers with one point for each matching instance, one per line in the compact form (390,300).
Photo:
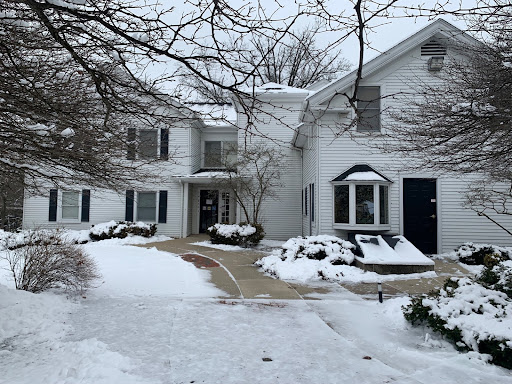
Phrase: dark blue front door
(209,206)
(420,213)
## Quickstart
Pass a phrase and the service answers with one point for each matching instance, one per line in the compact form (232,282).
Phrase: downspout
(317,181)
(182,206)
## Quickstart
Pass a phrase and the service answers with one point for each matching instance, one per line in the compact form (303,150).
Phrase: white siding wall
(108,205)
(195,149)
(281,218)
(457,225)
(310,155)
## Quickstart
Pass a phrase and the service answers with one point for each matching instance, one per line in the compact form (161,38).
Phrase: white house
(332,184)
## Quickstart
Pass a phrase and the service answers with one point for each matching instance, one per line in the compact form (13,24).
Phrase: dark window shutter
(306,201)
(164,143)
(130,141)
(162,207)
(130,197)
(52,214)
(312,199)
(86,205)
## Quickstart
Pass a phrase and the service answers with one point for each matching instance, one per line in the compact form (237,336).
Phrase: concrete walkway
(234,273)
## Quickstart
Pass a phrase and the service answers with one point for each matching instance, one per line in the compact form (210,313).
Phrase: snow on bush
(476,254)
(305,258)
(473,313)
(121,229)
(234,234)
(45,259)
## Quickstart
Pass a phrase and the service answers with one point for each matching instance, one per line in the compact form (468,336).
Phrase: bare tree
(74,78)
(462,124)
(254,177)
(296,60)
(75,72)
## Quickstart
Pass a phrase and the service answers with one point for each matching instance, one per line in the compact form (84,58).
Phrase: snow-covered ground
(154,318)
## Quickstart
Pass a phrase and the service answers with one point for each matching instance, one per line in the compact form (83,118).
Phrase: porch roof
(205,176)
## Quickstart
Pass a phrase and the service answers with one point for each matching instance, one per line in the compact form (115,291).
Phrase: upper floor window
(219,154)
(146,144)
(212,154)
(368,105)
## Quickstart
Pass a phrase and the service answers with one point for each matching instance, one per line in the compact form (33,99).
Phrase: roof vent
(433,48)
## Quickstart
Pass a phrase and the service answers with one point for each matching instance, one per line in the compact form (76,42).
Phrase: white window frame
(352,206)
(59,207)
(136,206)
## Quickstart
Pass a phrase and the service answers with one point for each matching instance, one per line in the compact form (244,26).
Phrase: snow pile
(311,257)
(33,332)
(471,314)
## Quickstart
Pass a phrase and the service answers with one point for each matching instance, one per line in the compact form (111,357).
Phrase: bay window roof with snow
(361,199)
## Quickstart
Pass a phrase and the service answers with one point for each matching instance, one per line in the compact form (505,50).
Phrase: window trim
(136,206)
(351,225)
(61,219)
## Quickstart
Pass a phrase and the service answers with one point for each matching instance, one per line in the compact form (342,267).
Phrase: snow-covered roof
(214,114)
(361,172)
(280,88)
(203,176)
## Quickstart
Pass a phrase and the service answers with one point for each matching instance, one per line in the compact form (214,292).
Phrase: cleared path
(236,274)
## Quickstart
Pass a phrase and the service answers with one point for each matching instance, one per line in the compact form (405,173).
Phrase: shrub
(45,259)
(334,249)
(472,314)
(478,254)
(497,277)
(234,234)
(121,229)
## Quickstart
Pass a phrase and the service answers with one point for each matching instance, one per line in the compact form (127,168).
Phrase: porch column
(184,209)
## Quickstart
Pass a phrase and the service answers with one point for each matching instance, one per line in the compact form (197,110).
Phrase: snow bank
(33,331)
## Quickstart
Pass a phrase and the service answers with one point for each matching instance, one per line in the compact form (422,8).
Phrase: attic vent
(433,48)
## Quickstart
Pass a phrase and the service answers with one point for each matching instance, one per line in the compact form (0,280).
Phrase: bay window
(361,205)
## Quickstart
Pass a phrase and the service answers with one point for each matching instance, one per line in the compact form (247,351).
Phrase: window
(384,204)
(224,213)
(365,206)
(146,206)
(341,204)
(148,144)
(312,199)
(368,106)
(144,144)
(361,205)
(229,152)
(70,205)
(212,154)
(219,154)
(306,201)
